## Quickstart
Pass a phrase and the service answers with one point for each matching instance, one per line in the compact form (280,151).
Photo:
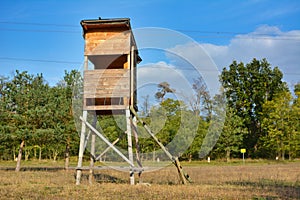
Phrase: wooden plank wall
(106,83)
(107,42)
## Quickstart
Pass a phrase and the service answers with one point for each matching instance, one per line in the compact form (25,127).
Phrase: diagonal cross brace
(108,148)
(183,177)
(107,141)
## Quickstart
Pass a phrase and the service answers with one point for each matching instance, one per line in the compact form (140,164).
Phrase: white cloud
(280,48)
(197,58)
(151,74)
(184,61)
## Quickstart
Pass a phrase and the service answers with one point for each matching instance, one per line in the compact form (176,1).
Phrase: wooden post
(129,140)
(137,148)
(131,59)
(92,156)
(81,148)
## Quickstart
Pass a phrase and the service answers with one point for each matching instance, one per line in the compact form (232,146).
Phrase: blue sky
(45,36)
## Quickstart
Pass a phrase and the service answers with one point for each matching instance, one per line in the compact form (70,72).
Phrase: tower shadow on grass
(284,190)
(102,178)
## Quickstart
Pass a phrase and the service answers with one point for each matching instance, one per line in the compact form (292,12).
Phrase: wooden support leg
(92,156)
(81,149)
(137,147)
(129,140)
(184,177)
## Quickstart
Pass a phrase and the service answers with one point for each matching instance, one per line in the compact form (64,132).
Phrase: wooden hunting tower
(110,70)
(109,81)
(109,87)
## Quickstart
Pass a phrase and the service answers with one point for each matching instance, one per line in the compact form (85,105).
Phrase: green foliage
(281,134)
(260,115)
(163,89)
(247,88)
(231,139)
(36,113)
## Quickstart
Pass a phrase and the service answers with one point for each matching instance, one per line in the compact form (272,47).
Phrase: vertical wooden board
(125,65)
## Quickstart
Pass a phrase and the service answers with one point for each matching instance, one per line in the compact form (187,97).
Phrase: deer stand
(109,84)
(109,88)
(84,138)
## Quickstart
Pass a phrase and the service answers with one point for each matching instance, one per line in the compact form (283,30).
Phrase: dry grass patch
(261,181)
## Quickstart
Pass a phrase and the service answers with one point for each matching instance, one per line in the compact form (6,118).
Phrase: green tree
(23,101)
(231,138)
(64,124)
(193,151)
(6,149)
(37,116)
(247,87)
(200,102)
(277,125)
(163,89)
(294,148)
(145,106)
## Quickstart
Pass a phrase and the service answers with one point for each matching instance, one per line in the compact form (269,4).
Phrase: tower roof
(116,23)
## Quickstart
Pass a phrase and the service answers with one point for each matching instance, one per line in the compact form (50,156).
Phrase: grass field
(258,180)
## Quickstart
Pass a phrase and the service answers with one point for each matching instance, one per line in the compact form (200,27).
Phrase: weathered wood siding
(106,83)
(107,42)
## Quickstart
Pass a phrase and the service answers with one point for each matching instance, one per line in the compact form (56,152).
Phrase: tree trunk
(227,155)
(14,151)
(34,152)
(20,156)
(283,155)
(282,150)
(67,156)
(55,154)
(40,154)
(27,154)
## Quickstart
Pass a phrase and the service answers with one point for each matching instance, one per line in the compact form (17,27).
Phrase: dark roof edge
(97,21)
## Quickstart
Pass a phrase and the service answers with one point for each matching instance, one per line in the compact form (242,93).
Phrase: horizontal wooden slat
(114,86)
(106,74)
(105,95)
(105,107)
(116,72)
(102,45)
(105,34)
(101,80)
(118,88)
(106,83)
(107,91)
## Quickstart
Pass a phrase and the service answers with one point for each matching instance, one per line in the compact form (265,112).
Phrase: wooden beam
(108,148)
(183,177)
(106,141)
(132,63)
(92,161)
(137,147)
(104,107)
(129,141)
(81,148)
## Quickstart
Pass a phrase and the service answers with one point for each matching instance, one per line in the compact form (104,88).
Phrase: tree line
(36,119)
(261,115)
